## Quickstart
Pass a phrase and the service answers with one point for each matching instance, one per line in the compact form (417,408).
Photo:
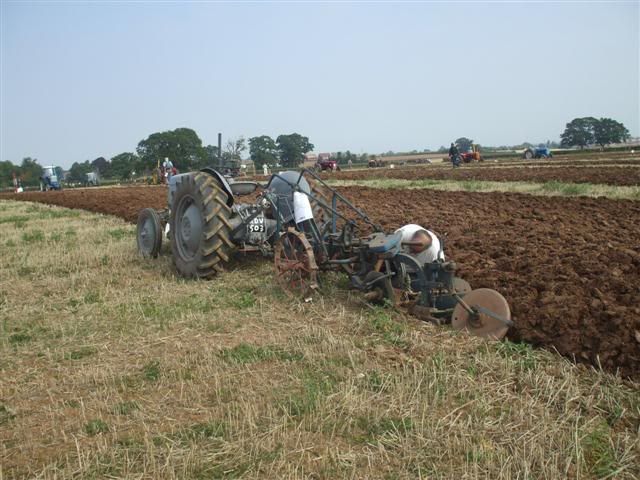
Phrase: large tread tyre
(149,233)
(200,230)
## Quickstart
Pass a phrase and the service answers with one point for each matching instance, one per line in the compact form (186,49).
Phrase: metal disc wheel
(460,286)
(382,290)
(296,269)
(200,231)
(149,233)
(481,324)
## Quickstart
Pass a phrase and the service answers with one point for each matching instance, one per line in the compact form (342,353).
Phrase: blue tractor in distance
(537,152)
(50,178)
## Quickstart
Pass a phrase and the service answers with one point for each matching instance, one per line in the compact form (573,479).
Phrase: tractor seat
(383,243)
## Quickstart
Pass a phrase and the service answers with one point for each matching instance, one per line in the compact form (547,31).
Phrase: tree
(464,144)
(579,132)
(350,156)
(292,149)
(101,165)
(182,146)
(211,157)
(78,171)
(607,130)
(30,171)
(7,169)
(263,151)
(123,165)
(233,149)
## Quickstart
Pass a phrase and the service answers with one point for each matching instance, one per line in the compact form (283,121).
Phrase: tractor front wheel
(149,233)
(200,230)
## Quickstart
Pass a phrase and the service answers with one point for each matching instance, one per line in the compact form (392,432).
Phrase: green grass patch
(6,415)
(522,354)
(389,329)
(372,429)
(377,382)
(316,385)
(599,454)
(203,431)
(18,220)
(126,408)
(34,236)
(18,338)
(81,353)
(96,426)
(120,233)
(151,371)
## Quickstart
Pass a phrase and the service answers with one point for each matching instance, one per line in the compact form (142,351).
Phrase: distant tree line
(29,171)
(581,132)
(286,150)
(185,149)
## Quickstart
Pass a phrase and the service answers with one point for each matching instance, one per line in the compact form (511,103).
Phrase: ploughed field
(610,174)
(569,267)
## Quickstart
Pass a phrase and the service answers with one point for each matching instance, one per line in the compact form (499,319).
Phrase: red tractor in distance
(472,155)
(325,162)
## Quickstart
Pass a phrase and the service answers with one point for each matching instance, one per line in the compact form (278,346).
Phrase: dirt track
(610,175)
(569,267)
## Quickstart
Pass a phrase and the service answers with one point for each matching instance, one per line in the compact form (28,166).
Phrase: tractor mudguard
(224,184)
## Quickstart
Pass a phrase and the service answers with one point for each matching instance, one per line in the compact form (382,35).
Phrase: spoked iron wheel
(296,268)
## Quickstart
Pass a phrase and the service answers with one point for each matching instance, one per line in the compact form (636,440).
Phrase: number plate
(256,225)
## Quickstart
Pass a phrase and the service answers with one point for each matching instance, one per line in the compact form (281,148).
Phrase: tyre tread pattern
(216,247)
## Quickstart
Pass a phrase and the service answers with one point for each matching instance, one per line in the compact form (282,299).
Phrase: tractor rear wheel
(200,230)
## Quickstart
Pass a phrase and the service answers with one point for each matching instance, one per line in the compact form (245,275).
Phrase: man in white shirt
(425,245)
(167,165)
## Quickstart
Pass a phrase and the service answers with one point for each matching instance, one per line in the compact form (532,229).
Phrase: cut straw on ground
(111,367)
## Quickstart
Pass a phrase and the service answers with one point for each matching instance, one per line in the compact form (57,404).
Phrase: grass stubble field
(111,367)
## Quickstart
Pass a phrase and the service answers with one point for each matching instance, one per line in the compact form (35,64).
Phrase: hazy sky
(82,80)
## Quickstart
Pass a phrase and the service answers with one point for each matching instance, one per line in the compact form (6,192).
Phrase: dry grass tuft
(113,368)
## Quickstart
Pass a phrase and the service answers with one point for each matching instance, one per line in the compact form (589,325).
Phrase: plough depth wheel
(296,268)
(492,316)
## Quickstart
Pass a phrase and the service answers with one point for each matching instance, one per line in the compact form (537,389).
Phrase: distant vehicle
(375,162)
(92,179)
(472,154)
(49,179)
(325,162)
(537,152)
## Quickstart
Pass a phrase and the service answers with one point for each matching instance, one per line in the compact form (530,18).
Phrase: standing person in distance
(454,155)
